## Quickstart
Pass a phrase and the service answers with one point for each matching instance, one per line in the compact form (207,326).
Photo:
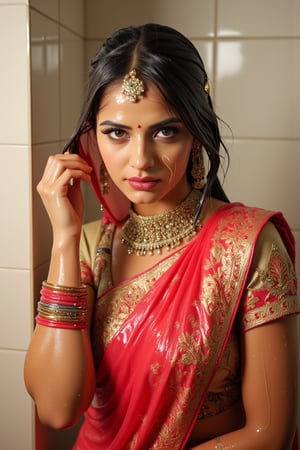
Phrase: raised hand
(60,191)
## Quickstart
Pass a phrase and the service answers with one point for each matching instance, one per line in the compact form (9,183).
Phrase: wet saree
(161,335)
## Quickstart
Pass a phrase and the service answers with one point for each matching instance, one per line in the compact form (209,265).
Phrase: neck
(146,235)
(169,202)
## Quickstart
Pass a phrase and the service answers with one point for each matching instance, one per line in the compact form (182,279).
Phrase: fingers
(60,192)
(69,165)
(63,170)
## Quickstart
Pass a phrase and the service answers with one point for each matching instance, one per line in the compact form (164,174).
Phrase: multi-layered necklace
(146,235)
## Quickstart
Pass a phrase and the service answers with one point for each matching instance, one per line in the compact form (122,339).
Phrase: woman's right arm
(59,370)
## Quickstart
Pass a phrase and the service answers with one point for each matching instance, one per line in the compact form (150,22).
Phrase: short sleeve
(271,290)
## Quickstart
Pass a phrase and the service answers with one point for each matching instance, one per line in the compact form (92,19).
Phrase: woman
(172,322)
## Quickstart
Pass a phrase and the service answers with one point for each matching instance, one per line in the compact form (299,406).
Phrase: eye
(167,132)
(115,133)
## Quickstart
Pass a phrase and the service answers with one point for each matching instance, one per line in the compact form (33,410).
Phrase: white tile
(48,7)
(266,174)
(258,93)
(15,200)
(16,407)
(194,18)
(72,81)
(258,18)
(42,233)
(13,2)
(72,15)
(17,302)
(44,79)
(14,75)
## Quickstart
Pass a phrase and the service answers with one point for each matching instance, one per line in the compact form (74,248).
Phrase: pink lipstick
(142,184)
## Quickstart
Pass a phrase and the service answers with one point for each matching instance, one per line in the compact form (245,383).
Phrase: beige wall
(252,53)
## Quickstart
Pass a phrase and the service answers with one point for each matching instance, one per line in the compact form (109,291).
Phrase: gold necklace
(145,235)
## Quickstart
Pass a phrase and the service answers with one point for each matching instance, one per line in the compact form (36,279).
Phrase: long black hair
(163,56)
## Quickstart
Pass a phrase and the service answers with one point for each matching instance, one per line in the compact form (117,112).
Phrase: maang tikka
(198,168)
(132,87)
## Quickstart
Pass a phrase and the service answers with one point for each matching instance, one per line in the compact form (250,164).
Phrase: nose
(141,154)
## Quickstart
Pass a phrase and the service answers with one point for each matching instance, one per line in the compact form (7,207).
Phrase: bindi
(139,125)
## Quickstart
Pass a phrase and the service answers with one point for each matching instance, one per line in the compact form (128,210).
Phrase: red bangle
(62,307)
(74,297)
(66,295)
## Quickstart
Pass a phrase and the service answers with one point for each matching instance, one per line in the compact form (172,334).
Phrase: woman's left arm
(269,389)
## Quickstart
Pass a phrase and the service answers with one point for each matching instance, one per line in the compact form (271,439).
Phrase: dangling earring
(104,179)
(198,169)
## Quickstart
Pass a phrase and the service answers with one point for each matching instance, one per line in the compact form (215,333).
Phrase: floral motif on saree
(272,292)
(158,349)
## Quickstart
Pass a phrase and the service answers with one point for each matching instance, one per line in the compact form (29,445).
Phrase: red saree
(157,359)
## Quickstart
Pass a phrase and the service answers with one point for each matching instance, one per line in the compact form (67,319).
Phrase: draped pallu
(160,336)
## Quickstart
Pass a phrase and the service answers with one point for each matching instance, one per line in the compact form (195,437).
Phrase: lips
(142,184)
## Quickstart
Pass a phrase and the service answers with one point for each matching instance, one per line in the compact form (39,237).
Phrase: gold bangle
(65,314)
(59,287)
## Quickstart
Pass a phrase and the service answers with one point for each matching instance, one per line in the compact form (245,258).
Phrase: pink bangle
(59,300)
(62,307)
(67,295)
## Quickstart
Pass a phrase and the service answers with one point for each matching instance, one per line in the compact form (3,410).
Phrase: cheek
(175,165)
(170,165)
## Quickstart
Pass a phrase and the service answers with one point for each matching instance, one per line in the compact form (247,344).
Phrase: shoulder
(271,290)
(270,249)
(236,210)
(262,222)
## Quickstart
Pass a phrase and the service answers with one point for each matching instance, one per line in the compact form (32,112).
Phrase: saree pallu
(154,367)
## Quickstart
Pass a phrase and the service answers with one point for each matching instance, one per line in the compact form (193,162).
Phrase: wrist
(65,262)
(65,241)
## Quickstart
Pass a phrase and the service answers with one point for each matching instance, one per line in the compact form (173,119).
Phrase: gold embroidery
(113,308)
(197,352)
(198,345)
(272,291)
(279,279)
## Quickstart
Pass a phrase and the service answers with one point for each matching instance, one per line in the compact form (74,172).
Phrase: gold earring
(104,179)
(198,169)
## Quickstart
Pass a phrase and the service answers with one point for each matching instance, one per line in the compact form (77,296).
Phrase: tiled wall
(252,53)
(15,224)
(57,79)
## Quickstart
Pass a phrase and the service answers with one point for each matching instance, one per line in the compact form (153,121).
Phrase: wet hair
(163,56)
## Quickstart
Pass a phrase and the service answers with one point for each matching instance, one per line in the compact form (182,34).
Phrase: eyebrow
(160,124)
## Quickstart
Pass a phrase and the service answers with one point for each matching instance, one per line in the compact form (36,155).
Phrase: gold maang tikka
(132,87)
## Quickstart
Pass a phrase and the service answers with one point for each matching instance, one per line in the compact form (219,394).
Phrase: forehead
(151,104)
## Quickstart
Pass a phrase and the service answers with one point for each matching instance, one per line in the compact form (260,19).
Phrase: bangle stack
(62,307)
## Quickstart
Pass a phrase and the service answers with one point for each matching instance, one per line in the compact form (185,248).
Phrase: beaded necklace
(146,235)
